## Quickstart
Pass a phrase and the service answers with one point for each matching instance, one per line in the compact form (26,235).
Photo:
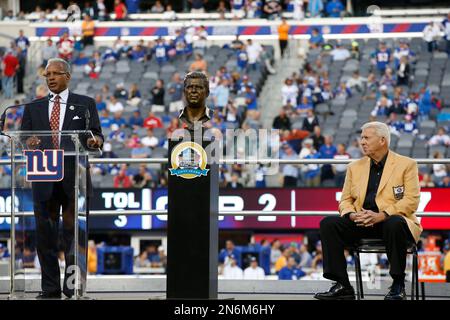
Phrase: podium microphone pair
(49,98)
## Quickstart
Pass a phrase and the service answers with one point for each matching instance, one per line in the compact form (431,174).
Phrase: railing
(240,161)
(235,161)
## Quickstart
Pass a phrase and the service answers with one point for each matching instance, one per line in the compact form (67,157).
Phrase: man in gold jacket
(380,196)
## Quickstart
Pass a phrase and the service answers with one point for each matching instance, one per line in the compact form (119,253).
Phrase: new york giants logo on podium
(44,166)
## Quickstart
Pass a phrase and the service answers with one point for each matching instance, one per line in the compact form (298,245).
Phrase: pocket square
(76,118)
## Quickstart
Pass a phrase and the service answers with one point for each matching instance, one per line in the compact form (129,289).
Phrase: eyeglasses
(53,74)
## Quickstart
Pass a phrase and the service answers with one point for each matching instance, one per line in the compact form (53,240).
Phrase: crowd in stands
(391,90)
(236,9)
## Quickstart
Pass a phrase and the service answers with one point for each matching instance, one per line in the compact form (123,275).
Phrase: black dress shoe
(48,295)
(337,292)
(396,292)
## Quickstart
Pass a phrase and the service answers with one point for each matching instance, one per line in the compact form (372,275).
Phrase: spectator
(339,170)
(199,64)
(122,180)
(340,53)
(10,65)
(254,51)
(175,90)
(160,51)
(158,96)
(342,92)
(101,10)
(403,71)
(119,120)
(59,13)
(134,96)
(140,151)
(283,35)
(136,121)
(410,126)
(22,42)
(197,6)
(88,30)
(242,59)
(403,51)
(334,8)
(222,9)
(354,150)
(310,173)
(382,107)
(114,105)
(356,82)
(304,107)
(395,126)
(388,79)
(298,12)
(327,151)
(291,271)
(446,28)
(157,7)
(354,51)
(237,8)
(48,51)
(305,257)
(65,47)
(382,57)
(221,95)
(289,92)
(232,271)
(92,70)
(440,139)
(317,256)
(229,250)
(20,71)
(275,251)
(150,140)
(317,138)
(427,182)
(142,179)
(282,122)
(315,8)
(282,260)
(310,121)
(120,10)
(272,9)
(445,183)
(234,183)
(431,33)
(152,121)
(316,40)
(169,14)
(9,16)
(254,272)
(439,169)
(290,172)
(250,99)
(99,103)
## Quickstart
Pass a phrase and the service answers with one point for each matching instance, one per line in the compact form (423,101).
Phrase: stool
(378,246)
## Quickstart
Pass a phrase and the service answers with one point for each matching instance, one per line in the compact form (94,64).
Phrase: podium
(34,171)
(192,230)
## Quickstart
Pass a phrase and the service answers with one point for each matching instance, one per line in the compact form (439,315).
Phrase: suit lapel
(69,113)
(364,180)
(387,171)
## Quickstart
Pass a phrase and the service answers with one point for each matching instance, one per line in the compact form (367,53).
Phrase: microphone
(3,116)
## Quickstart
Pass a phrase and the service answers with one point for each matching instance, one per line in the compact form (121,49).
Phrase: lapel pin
(72,108)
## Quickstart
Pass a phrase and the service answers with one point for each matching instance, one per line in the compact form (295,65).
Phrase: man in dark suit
(63,110)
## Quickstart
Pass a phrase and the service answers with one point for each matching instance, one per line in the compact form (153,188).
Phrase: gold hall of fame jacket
(397,194)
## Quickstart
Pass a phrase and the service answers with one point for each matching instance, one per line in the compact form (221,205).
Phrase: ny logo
(44,166)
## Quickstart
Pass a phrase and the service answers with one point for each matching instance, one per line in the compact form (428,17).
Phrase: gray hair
(63,62)
(381,130)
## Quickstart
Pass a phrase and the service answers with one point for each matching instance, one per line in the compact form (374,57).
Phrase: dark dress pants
(47,216)
(338,233)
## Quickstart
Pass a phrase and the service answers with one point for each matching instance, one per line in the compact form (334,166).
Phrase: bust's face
(195,93)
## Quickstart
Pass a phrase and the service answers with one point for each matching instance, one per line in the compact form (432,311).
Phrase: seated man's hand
(368,218)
